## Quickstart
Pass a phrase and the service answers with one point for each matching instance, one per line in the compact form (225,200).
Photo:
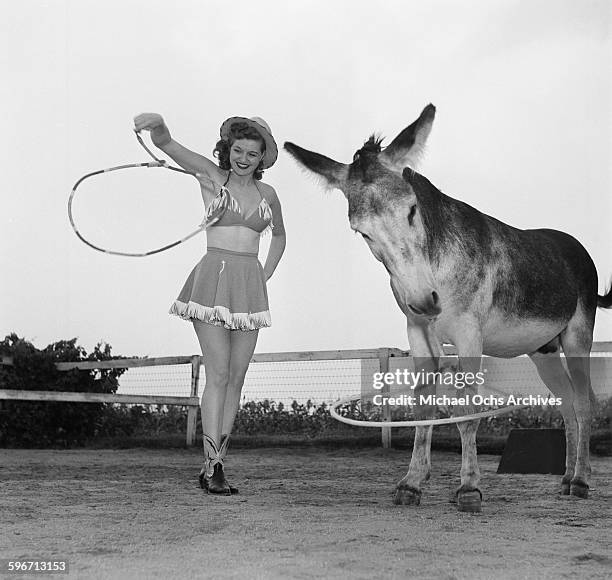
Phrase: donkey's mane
(373,145)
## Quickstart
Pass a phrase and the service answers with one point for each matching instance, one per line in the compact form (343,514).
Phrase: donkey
(465,278)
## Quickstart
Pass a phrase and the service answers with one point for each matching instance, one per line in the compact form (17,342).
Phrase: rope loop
(162,163)
(414,423)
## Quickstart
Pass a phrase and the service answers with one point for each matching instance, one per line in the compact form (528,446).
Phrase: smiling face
(245,155)
(383,207)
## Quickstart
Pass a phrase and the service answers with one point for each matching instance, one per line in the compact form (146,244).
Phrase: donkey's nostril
(415,310)
(435,297)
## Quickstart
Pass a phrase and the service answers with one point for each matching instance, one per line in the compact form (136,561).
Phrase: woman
(225,295)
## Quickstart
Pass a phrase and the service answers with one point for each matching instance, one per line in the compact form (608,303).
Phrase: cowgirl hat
(262,128)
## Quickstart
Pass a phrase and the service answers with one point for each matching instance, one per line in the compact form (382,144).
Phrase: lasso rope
(414,423)
(157,163)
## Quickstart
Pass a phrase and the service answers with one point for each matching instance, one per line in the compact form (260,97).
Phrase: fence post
(192,412)
(383,364)
(5,361)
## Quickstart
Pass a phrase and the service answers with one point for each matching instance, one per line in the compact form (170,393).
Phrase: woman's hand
(160,135)
(148,121)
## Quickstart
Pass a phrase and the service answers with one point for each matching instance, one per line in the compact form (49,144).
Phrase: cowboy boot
(222,454)
(211,477)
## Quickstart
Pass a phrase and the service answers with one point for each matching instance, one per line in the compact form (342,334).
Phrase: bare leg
(226,359)
(215,345)
(242,348)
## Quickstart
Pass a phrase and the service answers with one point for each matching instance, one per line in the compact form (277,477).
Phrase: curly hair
(238,130)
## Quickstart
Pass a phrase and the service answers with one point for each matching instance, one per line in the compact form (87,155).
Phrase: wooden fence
(192,401)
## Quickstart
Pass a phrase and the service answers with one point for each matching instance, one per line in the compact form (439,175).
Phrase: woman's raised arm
(160,135)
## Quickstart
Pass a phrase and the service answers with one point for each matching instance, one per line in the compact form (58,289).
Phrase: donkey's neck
(450,225)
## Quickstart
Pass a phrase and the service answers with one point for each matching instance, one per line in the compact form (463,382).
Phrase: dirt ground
(302,513)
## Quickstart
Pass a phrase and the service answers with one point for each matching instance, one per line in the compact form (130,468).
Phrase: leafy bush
(270,417)
(41,423)
(141,421)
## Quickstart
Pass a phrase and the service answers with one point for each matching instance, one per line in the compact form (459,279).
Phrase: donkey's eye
(366,237)
(412,213)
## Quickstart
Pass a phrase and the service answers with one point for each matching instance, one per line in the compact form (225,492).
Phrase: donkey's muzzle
(429,308)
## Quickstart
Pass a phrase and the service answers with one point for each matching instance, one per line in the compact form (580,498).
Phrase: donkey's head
(383,208)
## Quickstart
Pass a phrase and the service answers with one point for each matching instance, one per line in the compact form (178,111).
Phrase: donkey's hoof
(579,489)
(406,495)
(469,501)
(565,489)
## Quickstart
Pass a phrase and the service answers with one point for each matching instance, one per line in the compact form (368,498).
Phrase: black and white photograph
(316,289)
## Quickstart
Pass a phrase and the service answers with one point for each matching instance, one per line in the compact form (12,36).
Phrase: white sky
(523,132)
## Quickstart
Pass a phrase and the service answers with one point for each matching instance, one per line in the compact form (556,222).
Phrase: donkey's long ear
(408,146)
(334,174)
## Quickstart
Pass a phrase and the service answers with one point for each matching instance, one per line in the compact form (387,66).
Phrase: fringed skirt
(226,288)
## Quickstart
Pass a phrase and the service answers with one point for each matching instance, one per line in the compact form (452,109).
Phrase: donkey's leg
(577,340)
(579,369)
(425,350)
(555,377)
(469,496)
(408,489)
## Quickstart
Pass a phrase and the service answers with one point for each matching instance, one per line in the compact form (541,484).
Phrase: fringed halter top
(224,210)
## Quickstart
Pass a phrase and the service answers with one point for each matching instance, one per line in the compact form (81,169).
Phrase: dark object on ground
(534,451)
